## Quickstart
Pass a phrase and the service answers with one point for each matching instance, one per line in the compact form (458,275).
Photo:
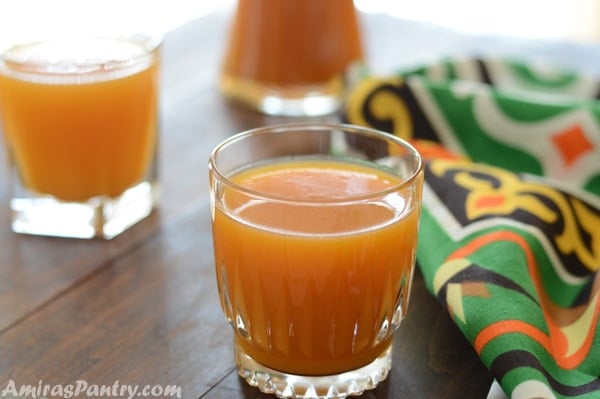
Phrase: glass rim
(281,128)
(12,63)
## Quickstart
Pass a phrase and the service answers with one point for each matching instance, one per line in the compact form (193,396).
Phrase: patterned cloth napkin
(510,231)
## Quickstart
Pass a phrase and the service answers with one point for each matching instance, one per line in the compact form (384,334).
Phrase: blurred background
(571,20)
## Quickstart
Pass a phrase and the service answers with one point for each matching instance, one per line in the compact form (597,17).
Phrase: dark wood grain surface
(143,308)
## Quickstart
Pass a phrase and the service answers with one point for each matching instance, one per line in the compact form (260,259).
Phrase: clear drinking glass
(315,231)
(80,123)
(293,57)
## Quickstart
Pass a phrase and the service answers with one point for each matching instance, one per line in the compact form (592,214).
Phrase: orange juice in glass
(293,57)
(315,230)
(80,122)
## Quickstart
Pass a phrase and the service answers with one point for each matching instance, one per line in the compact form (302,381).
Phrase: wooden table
(143,308)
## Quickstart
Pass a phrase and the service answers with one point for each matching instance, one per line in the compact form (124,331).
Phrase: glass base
(310,100)
(338,386)
(99,217)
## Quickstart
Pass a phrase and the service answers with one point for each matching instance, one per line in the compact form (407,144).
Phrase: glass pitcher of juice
(292,57)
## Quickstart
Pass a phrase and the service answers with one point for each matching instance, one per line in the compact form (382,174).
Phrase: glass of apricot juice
(80,126)
(293,57)
(315,231)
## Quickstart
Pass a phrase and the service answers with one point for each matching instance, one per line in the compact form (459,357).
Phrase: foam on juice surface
(74,61)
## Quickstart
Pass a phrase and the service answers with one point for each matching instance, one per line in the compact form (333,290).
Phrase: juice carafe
(292,57)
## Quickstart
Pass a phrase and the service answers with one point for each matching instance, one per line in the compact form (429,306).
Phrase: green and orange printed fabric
(510,229)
